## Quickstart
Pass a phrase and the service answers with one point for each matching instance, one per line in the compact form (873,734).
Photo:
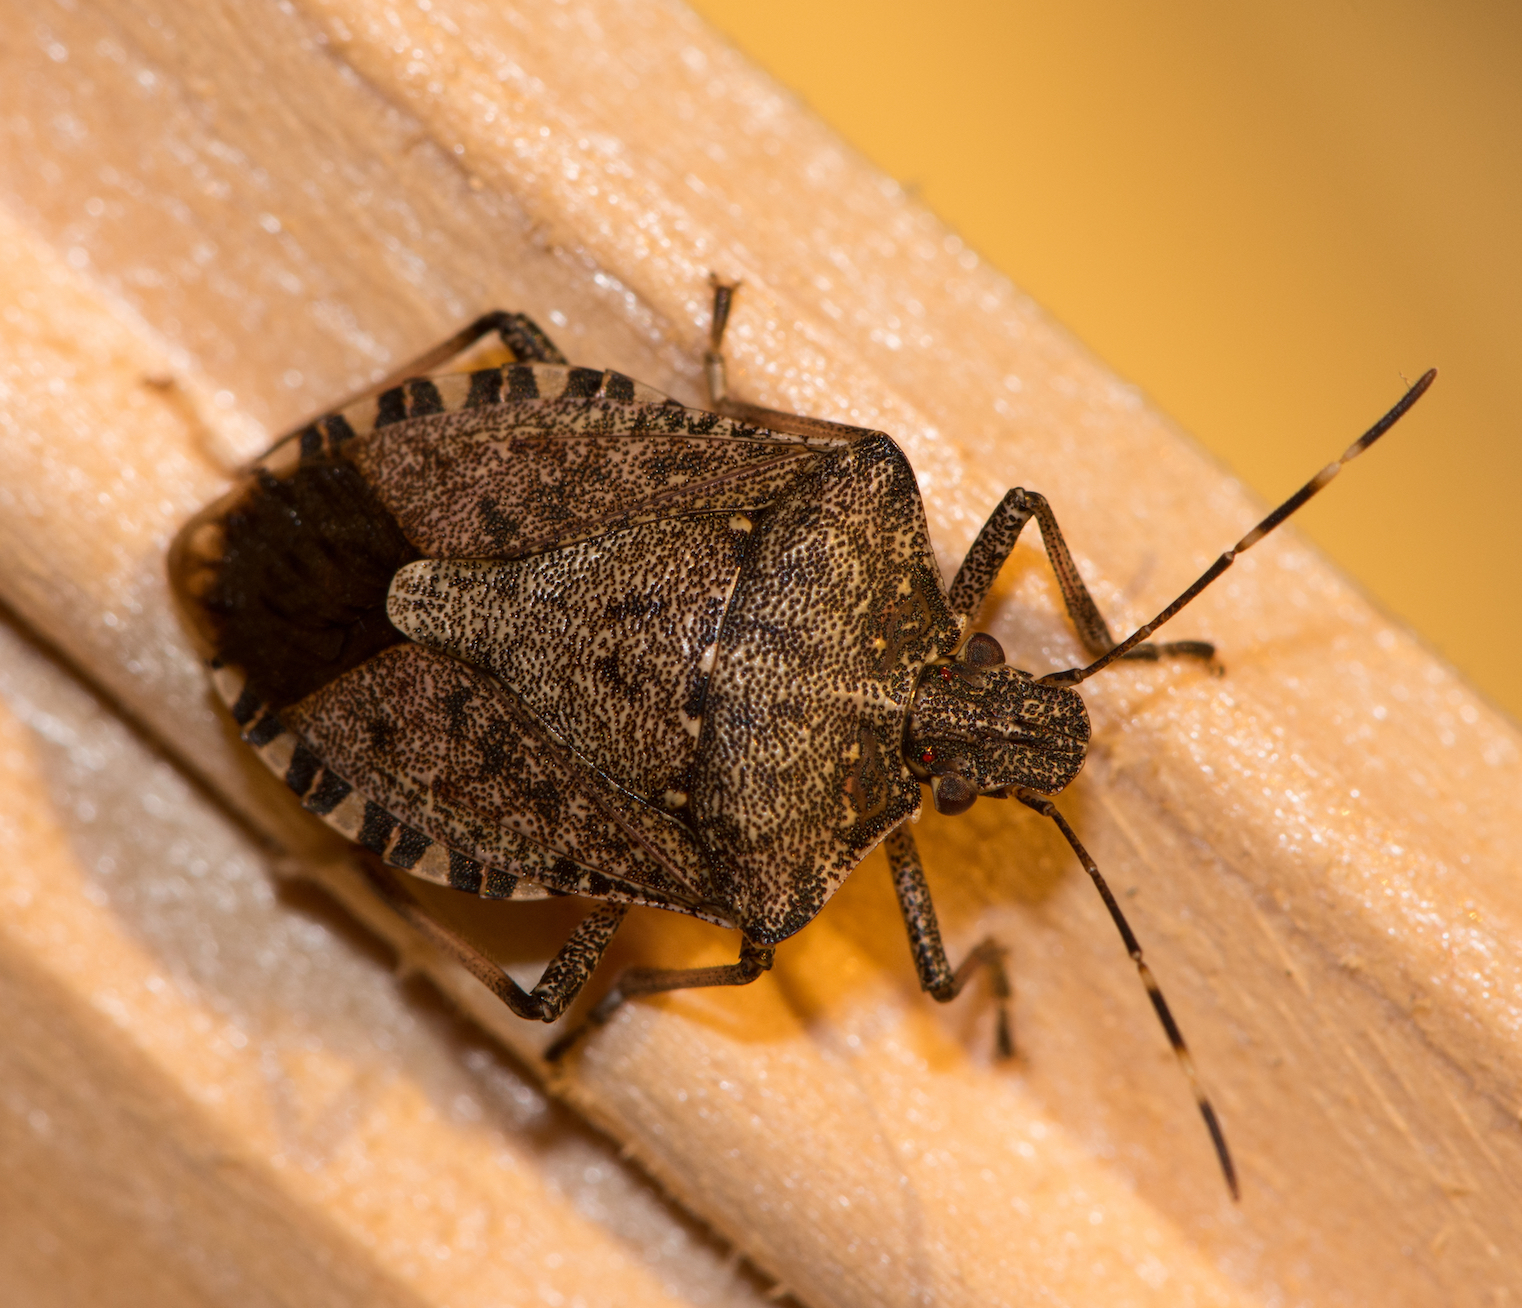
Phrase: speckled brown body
(538,629)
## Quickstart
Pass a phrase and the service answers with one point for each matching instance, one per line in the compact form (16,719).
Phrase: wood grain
(221,217)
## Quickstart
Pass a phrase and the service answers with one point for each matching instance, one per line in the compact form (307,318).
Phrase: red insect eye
(945,674)
(928,756)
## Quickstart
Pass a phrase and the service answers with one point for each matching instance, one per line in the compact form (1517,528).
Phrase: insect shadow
(539,630)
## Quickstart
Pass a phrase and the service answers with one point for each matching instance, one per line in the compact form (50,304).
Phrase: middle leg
(937,977)
(753,961)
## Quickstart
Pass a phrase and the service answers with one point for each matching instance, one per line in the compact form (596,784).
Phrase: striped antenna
(1072,676)
(1046,808)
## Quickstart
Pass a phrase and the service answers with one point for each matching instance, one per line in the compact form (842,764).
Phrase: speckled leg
(754,960)
(564,978)
(717,378)
(996,542)
(936,975)
(520,335)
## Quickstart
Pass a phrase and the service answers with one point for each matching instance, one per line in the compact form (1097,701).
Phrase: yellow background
(1267,216)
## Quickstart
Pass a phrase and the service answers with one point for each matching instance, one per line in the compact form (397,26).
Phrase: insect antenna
(1046,808)
(1072,676)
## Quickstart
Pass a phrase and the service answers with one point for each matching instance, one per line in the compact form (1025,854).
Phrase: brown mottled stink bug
(541,630)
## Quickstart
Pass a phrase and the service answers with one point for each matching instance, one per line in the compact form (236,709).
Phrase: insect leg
(996,541)
(714,373)
(717,379)
(994,544)
(520,335)
(1046,808)
(754,960)
(564,977)
(936,975)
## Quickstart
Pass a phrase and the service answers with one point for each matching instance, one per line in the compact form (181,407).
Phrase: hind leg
(564,978)
(520,335)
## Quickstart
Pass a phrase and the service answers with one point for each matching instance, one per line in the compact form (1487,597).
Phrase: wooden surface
(218,218)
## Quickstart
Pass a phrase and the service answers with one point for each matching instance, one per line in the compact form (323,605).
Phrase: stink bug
(539,629)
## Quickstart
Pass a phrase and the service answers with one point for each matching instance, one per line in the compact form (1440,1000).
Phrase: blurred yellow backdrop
(1267,216)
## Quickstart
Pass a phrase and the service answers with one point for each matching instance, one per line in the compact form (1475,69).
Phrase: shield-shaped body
(540,629)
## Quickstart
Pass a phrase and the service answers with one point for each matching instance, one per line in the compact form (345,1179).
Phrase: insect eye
(928,757)
(946,674)
(983,651)
(953,795)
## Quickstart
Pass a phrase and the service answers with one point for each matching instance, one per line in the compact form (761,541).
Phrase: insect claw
(559,1048)
(1072,676)
(599,1015)
(1004,1037)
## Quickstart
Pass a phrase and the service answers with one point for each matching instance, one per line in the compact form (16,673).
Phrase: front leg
(937,977)
(996,542)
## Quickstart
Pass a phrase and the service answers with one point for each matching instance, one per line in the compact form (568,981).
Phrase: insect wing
(556,458)
(455,756)
(607,642)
